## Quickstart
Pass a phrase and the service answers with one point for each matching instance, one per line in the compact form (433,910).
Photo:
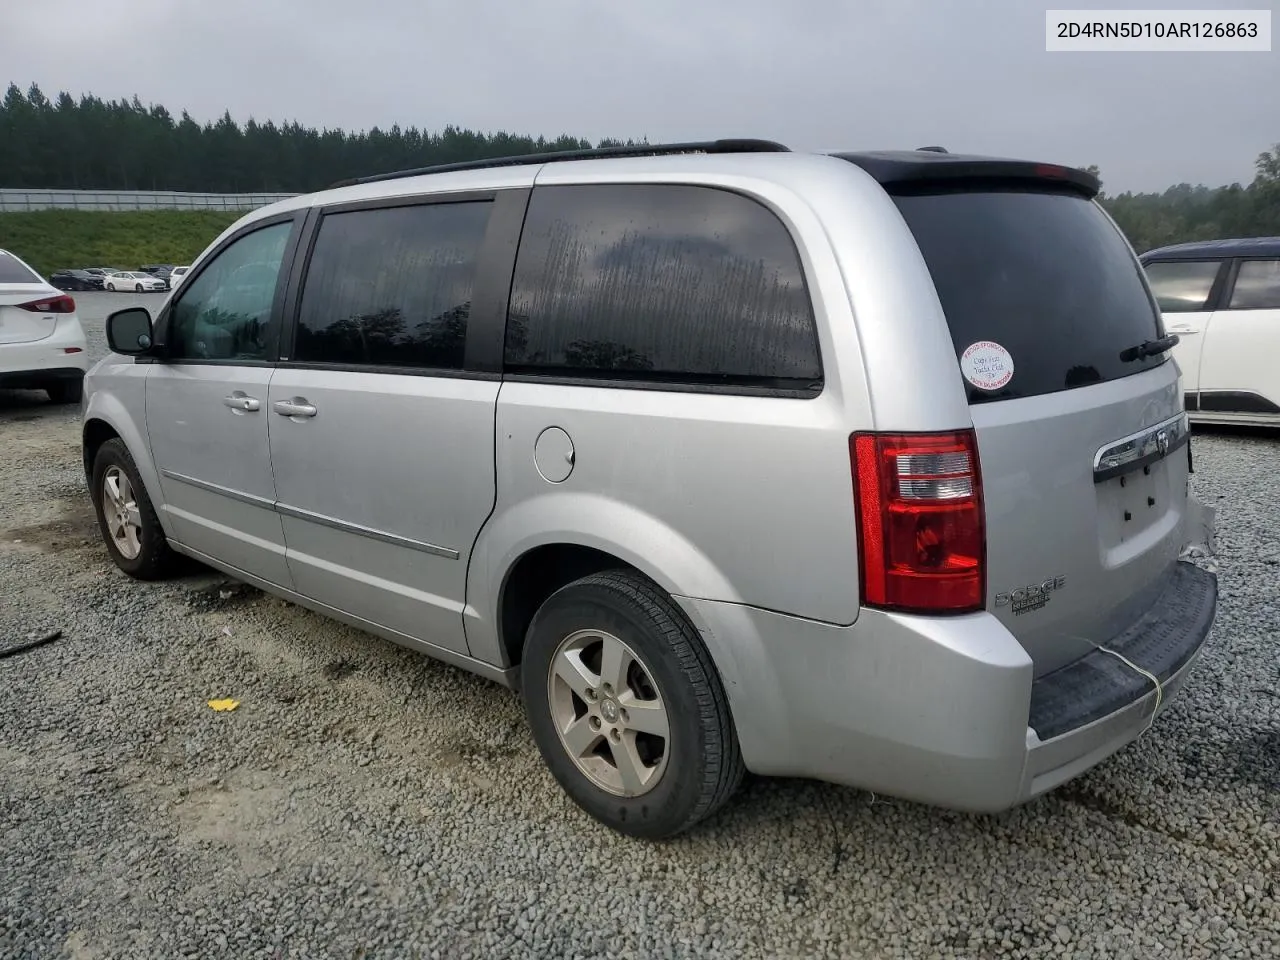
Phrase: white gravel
(366,802)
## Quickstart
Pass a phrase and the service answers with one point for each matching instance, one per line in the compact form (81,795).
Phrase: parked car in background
(103,271)
(1222,299)
(175,277)
(134,280)
(42,346)
(727,457)
(76,280)
(161,271)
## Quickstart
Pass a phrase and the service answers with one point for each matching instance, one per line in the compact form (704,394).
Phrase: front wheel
(135,540)
(627,708)
(138,287)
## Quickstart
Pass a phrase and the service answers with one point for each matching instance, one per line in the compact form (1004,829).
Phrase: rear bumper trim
(1161,642)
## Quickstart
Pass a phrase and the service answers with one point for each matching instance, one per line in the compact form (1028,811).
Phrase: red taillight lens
(920,517)
(62,304)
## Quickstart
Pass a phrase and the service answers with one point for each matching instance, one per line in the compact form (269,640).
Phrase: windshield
(1039,280)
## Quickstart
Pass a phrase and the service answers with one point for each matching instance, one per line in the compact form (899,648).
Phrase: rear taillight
(61,304)
(920,518)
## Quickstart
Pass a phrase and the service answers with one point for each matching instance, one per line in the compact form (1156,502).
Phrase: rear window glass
(1182,286)
(12,271)
(1044,275)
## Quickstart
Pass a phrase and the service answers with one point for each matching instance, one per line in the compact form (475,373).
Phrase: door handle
(294,407)
(1183,331)
(239,400)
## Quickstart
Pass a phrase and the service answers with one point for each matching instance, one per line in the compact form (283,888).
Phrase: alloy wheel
(609,713)
(120,508)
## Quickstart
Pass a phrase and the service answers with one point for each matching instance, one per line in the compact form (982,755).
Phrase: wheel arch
(106,417)
(525,554)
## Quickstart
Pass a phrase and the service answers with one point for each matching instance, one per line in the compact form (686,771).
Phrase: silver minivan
(864,467)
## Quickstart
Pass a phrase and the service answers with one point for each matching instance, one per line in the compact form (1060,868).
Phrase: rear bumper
(32,364)
(944,711)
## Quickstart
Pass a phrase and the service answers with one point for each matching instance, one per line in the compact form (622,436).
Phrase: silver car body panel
(383,491)
(913,707)
(194,435)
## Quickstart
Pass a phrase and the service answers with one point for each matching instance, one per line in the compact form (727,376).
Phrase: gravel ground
(367,802)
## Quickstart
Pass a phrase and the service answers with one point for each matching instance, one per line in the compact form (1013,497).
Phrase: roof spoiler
(934,167)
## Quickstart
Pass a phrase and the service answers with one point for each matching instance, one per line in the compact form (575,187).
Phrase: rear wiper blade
(1149,348)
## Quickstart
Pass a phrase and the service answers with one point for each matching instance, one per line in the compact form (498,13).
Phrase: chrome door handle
(1183,331)
(295,407)
(239,400)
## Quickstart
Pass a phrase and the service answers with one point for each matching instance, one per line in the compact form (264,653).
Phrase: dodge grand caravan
(866,467)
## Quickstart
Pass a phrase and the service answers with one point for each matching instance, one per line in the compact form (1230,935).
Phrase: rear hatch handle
(1141,449)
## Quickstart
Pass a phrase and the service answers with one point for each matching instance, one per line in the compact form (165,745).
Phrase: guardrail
(13,199)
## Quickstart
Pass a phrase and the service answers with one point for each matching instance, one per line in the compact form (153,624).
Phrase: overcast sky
(816,74)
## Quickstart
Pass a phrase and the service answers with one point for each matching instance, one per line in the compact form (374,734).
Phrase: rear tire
(111,287)
(154,558)
(618,626)
(65,391)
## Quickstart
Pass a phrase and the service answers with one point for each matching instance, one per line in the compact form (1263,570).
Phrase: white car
(176,275)
(136,281)
(1221,298)
(42,346)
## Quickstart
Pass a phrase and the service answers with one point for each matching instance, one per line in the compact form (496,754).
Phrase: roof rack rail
(642,150)
(932,149)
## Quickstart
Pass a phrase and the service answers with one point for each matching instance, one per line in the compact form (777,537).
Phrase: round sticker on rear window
(987,365)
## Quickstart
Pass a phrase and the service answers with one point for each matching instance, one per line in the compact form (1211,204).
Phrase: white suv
(42,346)
(1222,298)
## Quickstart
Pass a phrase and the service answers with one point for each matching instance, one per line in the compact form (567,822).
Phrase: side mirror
(129,331)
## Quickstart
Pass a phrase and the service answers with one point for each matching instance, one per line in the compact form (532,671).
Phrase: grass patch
(52,240)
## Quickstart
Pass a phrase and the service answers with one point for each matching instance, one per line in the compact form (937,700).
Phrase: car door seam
(285,510)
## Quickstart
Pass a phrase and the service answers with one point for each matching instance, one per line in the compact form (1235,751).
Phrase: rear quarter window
(1045,275)
(12,270)
(661,283)
(1182,286)
(1257,286)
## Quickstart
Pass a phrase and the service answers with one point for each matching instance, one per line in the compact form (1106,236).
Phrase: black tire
(703,763)
(65,391)
(156,560)
(138,287)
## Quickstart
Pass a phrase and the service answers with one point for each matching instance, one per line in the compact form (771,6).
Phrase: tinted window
(1257,286)
(392,286)
(1045,275)
(225,312)
(663,283)
(11,271)
(1182,286)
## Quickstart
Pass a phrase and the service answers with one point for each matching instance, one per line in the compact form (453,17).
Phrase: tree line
(1185,212)
(93,143)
